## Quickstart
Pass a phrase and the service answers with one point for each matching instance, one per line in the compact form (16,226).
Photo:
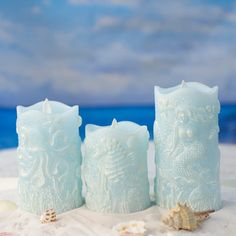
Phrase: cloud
(7,84)
(106,21)
(109,2)
(231,17)
(5,31)
(212,63)
(36,10)
(46,2)
(59,75)
(5,36)
(78,2)
(192,21)
(117,57)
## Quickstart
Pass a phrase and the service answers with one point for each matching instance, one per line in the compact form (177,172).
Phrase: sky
(112,52)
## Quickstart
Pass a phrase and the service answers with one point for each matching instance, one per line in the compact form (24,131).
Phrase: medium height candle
(186,142)
(115,167)
(49,157)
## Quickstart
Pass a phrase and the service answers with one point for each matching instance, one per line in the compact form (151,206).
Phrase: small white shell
(134,228)
(7,206)
(48,216)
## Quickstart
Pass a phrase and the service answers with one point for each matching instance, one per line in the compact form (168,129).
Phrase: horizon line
(113,106)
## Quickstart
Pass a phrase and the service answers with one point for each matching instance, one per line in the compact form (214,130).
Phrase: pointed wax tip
(46,108)
(183,84)
(114,123)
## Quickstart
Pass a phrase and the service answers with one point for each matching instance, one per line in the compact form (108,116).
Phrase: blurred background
(106,56)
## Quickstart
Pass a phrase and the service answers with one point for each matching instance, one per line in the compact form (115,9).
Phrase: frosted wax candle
(115,167)
(49,157)
(186,143)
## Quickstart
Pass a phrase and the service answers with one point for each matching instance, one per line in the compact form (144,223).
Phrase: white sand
(8,165)
(86,223)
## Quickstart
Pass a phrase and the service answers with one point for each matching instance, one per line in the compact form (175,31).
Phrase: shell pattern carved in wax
(183,171)
(112,163)
(200,113)
(48,168)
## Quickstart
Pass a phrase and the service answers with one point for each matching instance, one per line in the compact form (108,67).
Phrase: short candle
(186,143)
(49,157)
(115,167)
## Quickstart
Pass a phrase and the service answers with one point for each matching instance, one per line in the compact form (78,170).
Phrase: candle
(186,143)
(49,157)
(115,167)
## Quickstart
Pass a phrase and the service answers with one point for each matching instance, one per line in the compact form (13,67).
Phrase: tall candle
(186,143)
(49,157)
(115,167)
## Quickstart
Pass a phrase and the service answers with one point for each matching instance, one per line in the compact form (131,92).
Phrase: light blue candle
(186,142)
(49,157)
(115,167)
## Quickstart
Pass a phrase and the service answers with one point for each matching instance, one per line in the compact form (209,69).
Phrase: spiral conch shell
(182,217)
(48,216)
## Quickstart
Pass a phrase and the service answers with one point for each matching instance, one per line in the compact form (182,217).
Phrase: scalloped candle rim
(192,85)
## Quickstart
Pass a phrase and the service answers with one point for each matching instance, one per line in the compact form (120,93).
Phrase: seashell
(7,206)
(182,217)
(48,216)
(203,215)
(130,228)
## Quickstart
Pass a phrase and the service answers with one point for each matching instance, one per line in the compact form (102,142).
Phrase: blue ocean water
(143,115)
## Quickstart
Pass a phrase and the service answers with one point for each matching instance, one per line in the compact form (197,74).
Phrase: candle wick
(46,108)
(114,123)
(183,84)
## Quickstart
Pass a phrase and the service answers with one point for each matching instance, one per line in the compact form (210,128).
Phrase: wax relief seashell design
(186,147)
(49,157)
(111,156)
(48,216)
(182,217)
(130,228)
